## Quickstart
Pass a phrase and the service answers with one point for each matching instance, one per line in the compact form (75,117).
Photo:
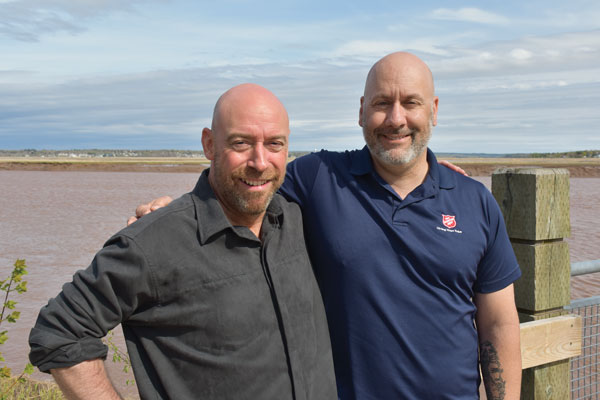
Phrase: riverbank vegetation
(25,388)
(569,154)
(21,386)
(13,284)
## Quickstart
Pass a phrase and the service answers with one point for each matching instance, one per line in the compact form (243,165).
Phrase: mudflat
(58,220)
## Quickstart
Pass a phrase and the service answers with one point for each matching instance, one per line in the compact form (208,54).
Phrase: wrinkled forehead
(389,78)
(257,112)
(252,119)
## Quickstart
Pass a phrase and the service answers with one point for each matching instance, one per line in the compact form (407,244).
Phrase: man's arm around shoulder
(86,380)
(499,343)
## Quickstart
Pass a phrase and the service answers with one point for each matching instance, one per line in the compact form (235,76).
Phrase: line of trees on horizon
(569,154)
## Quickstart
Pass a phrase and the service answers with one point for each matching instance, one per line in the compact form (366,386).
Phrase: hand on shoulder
(147,208)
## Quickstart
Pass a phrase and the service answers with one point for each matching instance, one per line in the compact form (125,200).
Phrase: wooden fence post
(535,205)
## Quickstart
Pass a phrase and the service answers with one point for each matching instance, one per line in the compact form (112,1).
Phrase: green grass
(13,389)
(29,389)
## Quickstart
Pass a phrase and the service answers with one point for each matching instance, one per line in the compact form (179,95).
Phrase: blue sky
(512,76)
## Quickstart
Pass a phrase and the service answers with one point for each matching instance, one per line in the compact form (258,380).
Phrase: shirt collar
(210,216)
(362,164)
(443,176)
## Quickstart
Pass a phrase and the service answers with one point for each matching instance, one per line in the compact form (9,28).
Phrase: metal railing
(585,368)
(585,267)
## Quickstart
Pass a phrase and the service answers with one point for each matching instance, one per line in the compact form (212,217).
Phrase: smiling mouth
(396,136)
(252,182)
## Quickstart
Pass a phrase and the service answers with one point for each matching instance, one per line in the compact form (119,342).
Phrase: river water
(58,220)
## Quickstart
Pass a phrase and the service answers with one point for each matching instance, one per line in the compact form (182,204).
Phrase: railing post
(535,205)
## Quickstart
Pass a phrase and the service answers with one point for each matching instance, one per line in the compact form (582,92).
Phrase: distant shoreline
(578,167)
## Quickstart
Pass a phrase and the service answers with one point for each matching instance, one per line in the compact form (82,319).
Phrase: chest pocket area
(231,313)
(454,247)
(216,303)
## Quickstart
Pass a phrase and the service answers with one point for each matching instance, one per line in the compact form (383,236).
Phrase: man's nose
(258,158)
(396,115)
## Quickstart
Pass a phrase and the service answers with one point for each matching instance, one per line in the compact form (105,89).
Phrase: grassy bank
(30,389)
(13,389)
(578,167)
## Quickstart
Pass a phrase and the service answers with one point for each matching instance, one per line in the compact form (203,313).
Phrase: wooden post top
(534,202)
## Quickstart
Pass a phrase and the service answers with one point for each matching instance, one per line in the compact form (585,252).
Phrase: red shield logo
(449,221)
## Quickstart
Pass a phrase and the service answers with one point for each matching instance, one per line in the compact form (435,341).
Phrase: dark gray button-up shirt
(208,311)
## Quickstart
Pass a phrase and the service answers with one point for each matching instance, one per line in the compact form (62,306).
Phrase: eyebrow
(250,136)
(415,96)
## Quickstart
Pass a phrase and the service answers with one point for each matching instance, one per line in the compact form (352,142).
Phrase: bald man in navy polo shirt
(413,260)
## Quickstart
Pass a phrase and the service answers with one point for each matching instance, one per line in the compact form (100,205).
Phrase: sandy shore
(578,167)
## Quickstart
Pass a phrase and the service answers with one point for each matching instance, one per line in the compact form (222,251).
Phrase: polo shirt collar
(211,218)
(361,162)
(442,177)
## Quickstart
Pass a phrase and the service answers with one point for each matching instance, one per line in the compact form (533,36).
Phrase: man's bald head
(398,111)
(247,97)
(247,146)
(399,65)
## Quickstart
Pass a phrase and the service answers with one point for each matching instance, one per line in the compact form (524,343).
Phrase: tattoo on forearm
(491,369)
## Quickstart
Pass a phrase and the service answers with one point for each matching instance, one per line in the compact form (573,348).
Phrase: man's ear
(360,111)
(435,111)
(208,143)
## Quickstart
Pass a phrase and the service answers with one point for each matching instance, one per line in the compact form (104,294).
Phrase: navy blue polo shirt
(398,275)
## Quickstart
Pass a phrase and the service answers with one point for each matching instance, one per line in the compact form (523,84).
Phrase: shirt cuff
(50,351)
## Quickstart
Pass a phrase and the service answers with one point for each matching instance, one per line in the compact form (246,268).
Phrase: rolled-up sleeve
(70,327)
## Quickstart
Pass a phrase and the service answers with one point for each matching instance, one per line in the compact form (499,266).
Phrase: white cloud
(176,104)
(323,124)
(469,15)
(561,52)
(498,89)
(521,117)
(377,48)
(571,16)
(365,48)
(28,20)
(521,54)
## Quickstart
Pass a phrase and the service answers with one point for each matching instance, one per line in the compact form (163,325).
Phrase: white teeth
(395,137)
(254,183)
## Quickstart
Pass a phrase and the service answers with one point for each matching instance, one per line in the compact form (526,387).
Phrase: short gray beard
(391,156)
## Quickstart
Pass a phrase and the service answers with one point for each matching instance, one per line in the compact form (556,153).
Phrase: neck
(403,178)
